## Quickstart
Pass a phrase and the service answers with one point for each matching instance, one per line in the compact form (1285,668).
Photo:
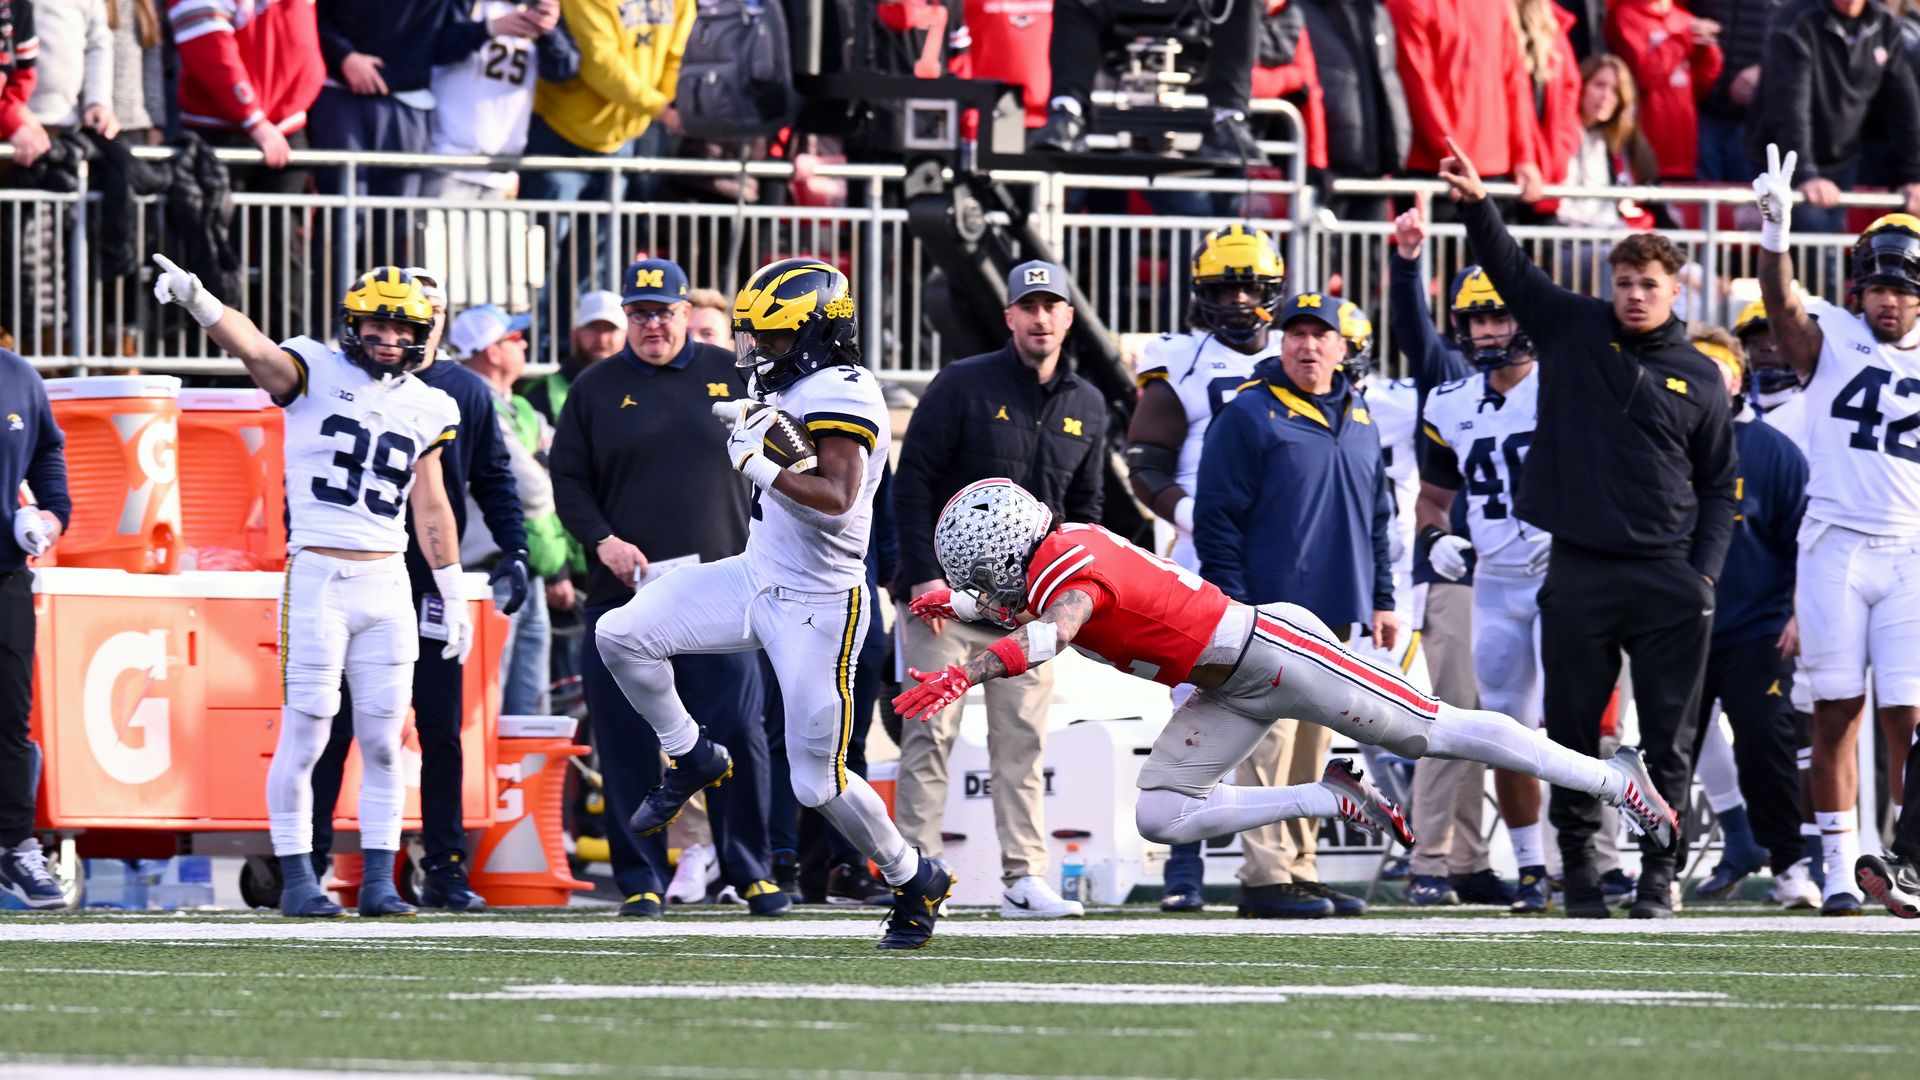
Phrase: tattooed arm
(433,523)
(1035,643)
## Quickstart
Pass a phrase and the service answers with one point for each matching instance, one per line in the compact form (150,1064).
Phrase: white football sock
(1168,817)
(1839,847)
(862,819)
(1503,742)
(1528,850)
(1716,770)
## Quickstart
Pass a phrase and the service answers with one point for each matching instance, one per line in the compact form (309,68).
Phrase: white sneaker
(1032,898)
(698,869)
(1793,888)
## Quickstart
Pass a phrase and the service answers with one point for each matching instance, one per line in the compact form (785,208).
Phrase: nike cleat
(1431,890)
(1841,904)
(707,765)
(1892,881)
(1793,888)
(644,905)
(1031,897)
(446,887)
(1362,804)
(764,898)
(1483,887)
(1183,897)
(1534,896)
(1724,880)
(916,906)
(1647,813)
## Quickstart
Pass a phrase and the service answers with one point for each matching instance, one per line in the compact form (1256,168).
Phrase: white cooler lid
(113,386)
(537,727)
(199,399)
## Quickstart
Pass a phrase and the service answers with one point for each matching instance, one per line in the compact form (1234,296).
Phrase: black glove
(511,569)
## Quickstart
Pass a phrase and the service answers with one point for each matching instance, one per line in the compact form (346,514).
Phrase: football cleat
(1892,881)
(1362,804)
(786,874)
(1618,887)
(765,898)
(644,905)
(1646,812)
(1840,903)
(1724,880)
(1183,897)
(916,906)
(1431,890)
(315,906)
(25,878)
(1031,897)
(707,765)
(1534,896)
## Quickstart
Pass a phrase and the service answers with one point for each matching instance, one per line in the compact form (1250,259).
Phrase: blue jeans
(523,663)
(1723,155)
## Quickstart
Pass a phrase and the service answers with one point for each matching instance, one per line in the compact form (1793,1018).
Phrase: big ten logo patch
(978,784)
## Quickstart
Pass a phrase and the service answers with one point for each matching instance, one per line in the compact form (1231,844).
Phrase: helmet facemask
(984,540)
(356,349)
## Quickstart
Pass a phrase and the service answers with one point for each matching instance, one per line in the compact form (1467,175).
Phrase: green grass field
(1129,994)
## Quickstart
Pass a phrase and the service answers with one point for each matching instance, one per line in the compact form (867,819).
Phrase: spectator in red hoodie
(18,50)
(1675,58)
(1465,78)
(1541,28)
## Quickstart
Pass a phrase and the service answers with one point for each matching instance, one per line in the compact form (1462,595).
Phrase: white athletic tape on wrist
(965,607)
(761,470)
(1043,640)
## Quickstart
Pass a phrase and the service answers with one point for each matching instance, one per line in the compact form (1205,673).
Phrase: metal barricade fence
(532,256)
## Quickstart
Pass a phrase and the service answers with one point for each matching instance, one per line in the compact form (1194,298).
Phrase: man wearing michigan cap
(1294,507)
(1022,413)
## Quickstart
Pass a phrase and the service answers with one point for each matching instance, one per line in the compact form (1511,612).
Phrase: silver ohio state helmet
(983,540)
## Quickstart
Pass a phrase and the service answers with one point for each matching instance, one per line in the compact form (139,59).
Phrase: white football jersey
(1789,418)
(1205,373)
(351,441)
(1482,446)
(1395,405)
(486,100)
(1863,427)
(783,549)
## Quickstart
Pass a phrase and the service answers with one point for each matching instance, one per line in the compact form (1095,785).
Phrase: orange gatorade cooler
(233,494)
(123,437)
(522,860)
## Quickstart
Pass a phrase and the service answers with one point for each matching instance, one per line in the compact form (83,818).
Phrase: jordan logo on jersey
(627,400)
(1002,414)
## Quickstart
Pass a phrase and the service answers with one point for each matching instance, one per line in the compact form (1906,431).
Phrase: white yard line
(1015,993)
(22,929)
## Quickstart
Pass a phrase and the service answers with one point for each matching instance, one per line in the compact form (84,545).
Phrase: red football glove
(937,690)
(933,606)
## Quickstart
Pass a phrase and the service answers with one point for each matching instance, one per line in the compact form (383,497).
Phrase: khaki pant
(1294,752)
(1016,734)
(1449,797)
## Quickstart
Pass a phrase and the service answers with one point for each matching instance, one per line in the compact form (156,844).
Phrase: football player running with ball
(1081,585)
(798,589)
(1856,595)
(361,436)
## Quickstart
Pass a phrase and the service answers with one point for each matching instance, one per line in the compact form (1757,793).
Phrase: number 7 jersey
(1863,428)
(351,444)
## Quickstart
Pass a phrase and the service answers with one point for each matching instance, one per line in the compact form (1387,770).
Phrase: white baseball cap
(476,328)
(599,306)
(429,282)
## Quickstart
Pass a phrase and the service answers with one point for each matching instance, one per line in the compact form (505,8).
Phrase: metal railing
(532,256)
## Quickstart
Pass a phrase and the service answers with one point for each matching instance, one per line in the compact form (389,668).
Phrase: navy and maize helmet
(1358,330)
(1233,256)
(1888,253)
(1769,379)
(806,298)
(1472,293)
(390,294)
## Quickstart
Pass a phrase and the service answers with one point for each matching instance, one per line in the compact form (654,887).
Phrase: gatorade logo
(128,721)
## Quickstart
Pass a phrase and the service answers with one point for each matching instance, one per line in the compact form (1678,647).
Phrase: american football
(788,444)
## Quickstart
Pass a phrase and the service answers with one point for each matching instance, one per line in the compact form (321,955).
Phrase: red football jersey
(1151,618)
